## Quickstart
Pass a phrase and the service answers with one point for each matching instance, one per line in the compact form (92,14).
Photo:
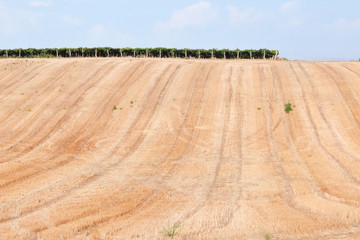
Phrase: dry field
(202,143)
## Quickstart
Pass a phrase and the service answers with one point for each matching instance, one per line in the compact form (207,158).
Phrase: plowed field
(126,148)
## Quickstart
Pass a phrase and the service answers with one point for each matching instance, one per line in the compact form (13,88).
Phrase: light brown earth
(203,143)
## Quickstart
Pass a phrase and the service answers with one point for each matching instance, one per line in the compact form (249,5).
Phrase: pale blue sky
(299,29)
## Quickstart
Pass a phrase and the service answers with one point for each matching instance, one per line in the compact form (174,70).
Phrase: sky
(299,29)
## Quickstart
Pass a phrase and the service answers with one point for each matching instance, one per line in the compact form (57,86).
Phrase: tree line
(139,52)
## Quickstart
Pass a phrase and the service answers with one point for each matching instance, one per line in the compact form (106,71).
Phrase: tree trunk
(82,52)
(57,53)
(185,53)
(250,55)
(19,53)
(147,53)
(108,53)
(69,52)
(264,55)
(134,53)
(6,52)
(212,54)
(199,54)
(160,53)
(95,52)
(121,53)
(224,55)
(238,55)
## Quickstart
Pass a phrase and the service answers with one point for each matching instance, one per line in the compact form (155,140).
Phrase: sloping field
(203,143)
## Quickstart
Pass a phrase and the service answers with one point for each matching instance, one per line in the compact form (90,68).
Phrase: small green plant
(288,107)
(267,236)
(172,231)
(114,108)
(259,108)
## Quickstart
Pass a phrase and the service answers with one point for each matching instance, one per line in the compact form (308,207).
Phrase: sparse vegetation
(114,107)
(259,108)
(267,236)
(172,231)
(288,107)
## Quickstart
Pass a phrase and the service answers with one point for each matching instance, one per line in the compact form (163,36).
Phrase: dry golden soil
(112,148)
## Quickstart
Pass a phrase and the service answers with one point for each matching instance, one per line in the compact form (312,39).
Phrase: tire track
(64,118)
(336,162)
(176,142)
(290,140)
(316,139)
(102,170)
(128,155)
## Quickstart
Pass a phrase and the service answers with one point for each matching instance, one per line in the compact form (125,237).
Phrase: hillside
(122,148)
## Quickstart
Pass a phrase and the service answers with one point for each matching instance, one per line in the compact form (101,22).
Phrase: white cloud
(13,20)
(291,16)
(247,16)
(196,15)
(100,35)
(346,24)
(40,3)
(290,6)
(71,20)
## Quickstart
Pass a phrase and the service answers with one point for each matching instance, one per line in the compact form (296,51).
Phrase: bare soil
(202,143)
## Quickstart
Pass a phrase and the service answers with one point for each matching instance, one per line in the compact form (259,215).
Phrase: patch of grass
(288,107)
(172,231)
(114,107)
(267,236)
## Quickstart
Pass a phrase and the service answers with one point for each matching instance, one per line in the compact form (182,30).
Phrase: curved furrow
(336,161)
(52,165)
(174,155)
(65,119)
(288,193)
(113,214)
(193,118)
(224,189)
(13,82)
(29,134)
(191,103)
(300,187)
(101,170)
(357,73)
(34,169)
(316,186)
(175,143)
(11,115)
(347,95)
